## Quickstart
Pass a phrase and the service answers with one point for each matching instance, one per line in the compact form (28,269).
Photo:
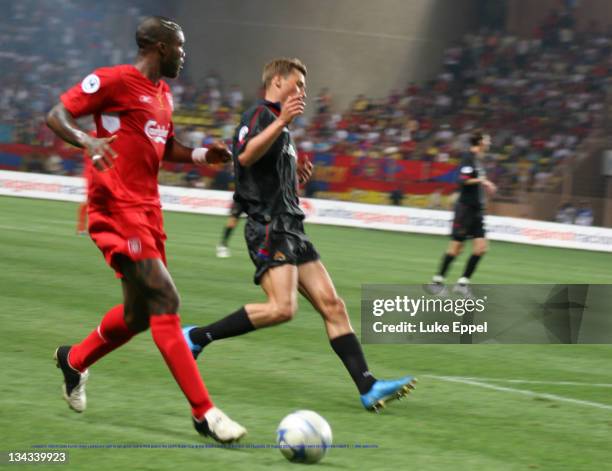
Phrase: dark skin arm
(305,171)
(177,152)
(62,123)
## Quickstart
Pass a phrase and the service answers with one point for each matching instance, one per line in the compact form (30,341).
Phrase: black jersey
(471,195)
(267,188)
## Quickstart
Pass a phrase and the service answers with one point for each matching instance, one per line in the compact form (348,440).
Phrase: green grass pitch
(54,288)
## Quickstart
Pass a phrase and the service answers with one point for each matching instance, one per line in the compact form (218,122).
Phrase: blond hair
(283,66)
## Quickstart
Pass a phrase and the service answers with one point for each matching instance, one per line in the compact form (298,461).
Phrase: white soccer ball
(304,437)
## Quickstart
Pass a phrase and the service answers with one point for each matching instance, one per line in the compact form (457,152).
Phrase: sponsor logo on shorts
(90,84)
(279,256)
(156,132)
(263,254)
(134,246)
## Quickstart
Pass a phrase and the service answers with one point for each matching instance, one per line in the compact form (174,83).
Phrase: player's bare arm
(216,153)
(489,186)
(62,123)
(259,145)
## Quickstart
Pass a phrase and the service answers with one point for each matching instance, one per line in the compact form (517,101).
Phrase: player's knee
(481,248)
(165,300)
(172,300)
(137,321)
(456,251)
(284,311)
(334,306)
(480,251)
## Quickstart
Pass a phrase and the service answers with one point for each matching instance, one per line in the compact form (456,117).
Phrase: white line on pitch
(552,397)
(529,381)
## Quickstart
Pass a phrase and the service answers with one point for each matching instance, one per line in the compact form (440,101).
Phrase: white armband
(198,155)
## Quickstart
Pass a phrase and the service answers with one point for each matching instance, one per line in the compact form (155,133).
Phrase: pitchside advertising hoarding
(340,213)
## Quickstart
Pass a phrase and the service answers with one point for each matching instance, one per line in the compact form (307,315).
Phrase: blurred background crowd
(541,96)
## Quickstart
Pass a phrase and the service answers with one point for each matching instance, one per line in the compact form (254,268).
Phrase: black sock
(470,266)
(235,324)
(446,261)
(226,235)
(349,350)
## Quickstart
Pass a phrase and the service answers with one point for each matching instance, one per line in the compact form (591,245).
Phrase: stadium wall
(350,46)
(339,213)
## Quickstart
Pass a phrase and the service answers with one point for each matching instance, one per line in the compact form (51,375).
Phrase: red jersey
(127,104)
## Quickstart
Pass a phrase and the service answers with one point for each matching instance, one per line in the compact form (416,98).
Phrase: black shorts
(278,242)
(468,223)
(236,210)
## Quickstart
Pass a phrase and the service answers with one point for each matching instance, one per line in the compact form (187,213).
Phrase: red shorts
(137,234)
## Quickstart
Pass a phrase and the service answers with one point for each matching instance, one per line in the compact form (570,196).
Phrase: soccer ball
(304,437)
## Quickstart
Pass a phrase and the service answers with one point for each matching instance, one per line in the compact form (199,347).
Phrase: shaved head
(155,29)
(161,40)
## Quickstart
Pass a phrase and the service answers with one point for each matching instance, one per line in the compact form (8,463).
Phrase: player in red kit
(132,109)
(81,227)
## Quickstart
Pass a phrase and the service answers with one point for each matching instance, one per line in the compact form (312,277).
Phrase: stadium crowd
(539,97)
(47,46)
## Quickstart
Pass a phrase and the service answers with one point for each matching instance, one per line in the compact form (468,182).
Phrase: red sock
(167,335)
(110,334)
(82,217)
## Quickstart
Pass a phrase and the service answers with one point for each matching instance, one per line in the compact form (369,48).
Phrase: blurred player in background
(82,209)
(267,173)
(468,221)
(132,109)
(236,210)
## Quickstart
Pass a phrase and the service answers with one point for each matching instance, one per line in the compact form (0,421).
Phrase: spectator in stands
(323,101)
(54,165)
(235,98)
(396,197)
(566,213)
(584,214)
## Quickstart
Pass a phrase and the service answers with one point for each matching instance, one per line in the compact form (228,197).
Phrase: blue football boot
(383,391)
(195,349)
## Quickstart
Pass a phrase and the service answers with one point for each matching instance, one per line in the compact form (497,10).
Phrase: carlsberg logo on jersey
(156,132)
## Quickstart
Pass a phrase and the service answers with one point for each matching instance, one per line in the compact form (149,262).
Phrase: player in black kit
(267,172)
(236,210)
(468,222)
